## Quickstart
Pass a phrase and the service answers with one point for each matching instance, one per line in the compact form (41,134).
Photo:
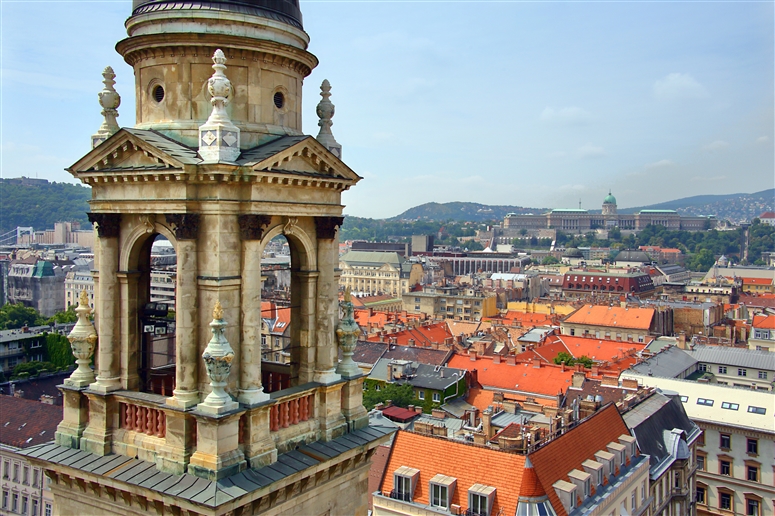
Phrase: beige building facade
(460,304)
(376,273)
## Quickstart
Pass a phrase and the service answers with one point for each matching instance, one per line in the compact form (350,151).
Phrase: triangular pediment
(294,154)
(135,149)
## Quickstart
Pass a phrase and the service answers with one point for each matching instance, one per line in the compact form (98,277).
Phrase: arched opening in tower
(156,287)
(276,315)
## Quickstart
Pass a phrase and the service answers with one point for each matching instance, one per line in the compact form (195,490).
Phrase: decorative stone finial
(82,339)
(325,111)
(347,333)
(219,138)
(218,356)
(109,100)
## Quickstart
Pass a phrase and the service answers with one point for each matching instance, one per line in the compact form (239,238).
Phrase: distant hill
(737,207)
(464,211)
(40,204)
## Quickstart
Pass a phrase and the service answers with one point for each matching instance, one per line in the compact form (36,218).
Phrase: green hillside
(41,205)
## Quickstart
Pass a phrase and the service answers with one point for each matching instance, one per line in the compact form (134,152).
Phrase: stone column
(326,356)
(251,230)
(108,225)
(303,289)
(186,392)
(130,339)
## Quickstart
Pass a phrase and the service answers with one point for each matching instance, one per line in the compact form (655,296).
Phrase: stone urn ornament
(347,332)
(218,356)
(83,340)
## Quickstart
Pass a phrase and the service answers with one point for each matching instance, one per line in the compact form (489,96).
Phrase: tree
(563,356)
(523,231)
(16,316)
(34,368)
(550,260)
(701,261)
(68,316)
(400,395)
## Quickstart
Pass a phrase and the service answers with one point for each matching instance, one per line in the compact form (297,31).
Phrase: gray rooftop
(669,363)
(306,458)
(736,357)
(373,258)
(180,152)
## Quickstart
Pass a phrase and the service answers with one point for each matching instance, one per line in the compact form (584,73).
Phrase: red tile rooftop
(546,380)
(468,463)
(612,316)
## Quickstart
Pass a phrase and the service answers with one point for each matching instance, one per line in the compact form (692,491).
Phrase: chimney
(437,413)
(379,406)
(382,336)
(536,363)
(562,366)
(487,424)
(595,370)
(418,409)
(578,380)
(629,383)
(46,399)
(411,343)
(496,359)
(610,381)
(511,360)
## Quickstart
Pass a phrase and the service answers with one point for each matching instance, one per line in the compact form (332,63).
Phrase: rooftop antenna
(579,203)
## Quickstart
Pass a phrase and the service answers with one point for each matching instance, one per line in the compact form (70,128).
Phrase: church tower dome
(170,46)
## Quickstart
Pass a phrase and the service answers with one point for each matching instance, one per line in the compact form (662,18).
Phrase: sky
(537,104)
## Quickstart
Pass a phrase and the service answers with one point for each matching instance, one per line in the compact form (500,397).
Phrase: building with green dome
(577,220)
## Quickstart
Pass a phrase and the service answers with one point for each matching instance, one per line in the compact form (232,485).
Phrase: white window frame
(421,395)
(436,397)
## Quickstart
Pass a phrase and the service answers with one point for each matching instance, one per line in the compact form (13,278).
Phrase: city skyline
(498,103)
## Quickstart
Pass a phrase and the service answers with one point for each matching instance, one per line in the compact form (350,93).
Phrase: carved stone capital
(326,227)
(186,225)
(108,224)
(251,226)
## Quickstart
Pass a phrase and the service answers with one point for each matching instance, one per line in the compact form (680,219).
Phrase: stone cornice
(155,46)
(193,174)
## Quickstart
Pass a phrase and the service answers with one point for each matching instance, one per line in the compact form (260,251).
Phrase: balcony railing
(146,420)
(291,412)
(400,495)
(471,512)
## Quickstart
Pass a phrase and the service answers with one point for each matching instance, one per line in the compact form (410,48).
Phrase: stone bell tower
(217,165)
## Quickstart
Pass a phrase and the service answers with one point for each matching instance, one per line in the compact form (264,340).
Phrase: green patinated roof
(609,199)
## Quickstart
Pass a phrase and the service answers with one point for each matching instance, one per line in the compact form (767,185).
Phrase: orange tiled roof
(283,320)
(764,322)
(757,281)
(469,464)
(548,380)
(528,320)
(531,486)
(479,398)
(600,350)
(556,459)
(613,317)
(436,333)
(466,328)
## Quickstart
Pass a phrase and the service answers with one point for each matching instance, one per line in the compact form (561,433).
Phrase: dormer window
(404,483)
(481,499)
(442,490)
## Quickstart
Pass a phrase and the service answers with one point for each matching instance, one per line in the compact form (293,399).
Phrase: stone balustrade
(289,412)
(147,420)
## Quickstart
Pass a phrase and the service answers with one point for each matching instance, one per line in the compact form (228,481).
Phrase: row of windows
(752,471)
(705,368)
(25,473)
(23,505)
(441,488)
(727,405)
(726,501)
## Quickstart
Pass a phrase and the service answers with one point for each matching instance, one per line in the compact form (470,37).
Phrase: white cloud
(716,146)
(569,115)
(659,164)
(590,151)
(762,139)
(678,86)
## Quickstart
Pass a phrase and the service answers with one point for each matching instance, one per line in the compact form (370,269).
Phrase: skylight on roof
(757,410)
(706,402)
(729,406)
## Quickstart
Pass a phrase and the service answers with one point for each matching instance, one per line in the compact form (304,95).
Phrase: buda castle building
(582,221)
